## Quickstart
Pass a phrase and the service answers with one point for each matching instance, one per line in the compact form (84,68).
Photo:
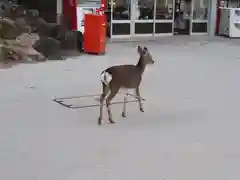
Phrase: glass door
(183,17)
(142,18)
(200,16)
(164,17)
(120,20)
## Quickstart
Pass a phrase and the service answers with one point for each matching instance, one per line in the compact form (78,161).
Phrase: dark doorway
(182,17)
(46,8)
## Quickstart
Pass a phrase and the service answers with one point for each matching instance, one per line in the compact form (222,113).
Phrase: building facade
(131,18)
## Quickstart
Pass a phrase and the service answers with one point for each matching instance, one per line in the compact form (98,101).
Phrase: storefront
(132,18)
(128,18)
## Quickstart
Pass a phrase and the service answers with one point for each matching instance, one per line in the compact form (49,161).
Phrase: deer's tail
(106,77)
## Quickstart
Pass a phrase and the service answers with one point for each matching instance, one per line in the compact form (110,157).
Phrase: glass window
(89,3)
(164,9)
(223,3)
(200,9)
(121,9)
(232,3)
(144,9)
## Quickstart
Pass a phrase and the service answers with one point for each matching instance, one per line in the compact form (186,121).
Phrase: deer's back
(125,76)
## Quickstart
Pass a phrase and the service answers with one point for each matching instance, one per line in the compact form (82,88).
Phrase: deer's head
(145,56)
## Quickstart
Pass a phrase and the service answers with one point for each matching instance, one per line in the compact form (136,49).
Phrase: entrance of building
(183,17)
(132,18)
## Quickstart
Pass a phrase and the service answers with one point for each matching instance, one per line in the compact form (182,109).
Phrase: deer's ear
(140,50)
(145,50)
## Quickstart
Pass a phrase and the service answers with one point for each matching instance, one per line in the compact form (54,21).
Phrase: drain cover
(87,101)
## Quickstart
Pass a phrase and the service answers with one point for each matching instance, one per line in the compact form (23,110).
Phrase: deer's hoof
(99,121)
(141,109)
(124,115)
(111,121)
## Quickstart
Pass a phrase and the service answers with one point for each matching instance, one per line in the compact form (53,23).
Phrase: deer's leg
(105,91)
(139,99)
(124,105)
(112,94)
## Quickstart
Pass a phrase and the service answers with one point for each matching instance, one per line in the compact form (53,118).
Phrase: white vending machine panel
(230,22)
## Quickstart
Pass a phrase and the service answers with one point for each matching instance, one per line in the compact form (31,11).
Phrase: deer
(127,76)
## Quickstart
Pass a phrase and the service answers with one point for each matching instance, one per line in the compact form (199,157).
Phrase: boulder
(23,47)
(13,11)
(8,29)
(48,46)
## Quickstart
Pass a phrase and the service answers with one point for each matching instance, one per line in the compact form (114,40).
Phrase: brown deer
(126,77)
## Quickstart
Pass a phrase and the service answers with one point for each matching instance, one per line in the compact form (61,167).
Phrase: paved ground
(189,131)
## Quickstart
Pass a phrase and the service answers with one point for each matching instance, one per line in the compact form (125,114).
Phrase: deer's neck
(141,65)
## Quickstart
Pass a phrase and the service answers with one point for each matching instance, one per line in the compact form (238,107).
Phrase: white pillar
(212,16)
(59,10)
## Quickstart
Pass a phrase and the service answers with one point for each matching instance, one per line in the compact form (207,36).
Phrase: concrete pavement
(189,130)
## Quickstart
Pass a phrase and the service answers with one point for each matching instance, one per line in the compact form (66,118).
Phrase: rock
(40,25)
(71,40)
(47,46)
(32,13)
(23,25)
(28,40)
(13,11)
(8,29)
(23,47)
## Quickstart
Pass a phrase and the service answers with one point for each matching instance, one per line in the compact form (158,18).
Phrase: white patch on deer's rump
(106,78)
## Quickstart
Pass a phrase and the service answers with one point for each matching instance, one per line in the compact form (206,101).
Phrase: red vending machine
(218,17)
(220,5)
(95,33)
(75,10)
